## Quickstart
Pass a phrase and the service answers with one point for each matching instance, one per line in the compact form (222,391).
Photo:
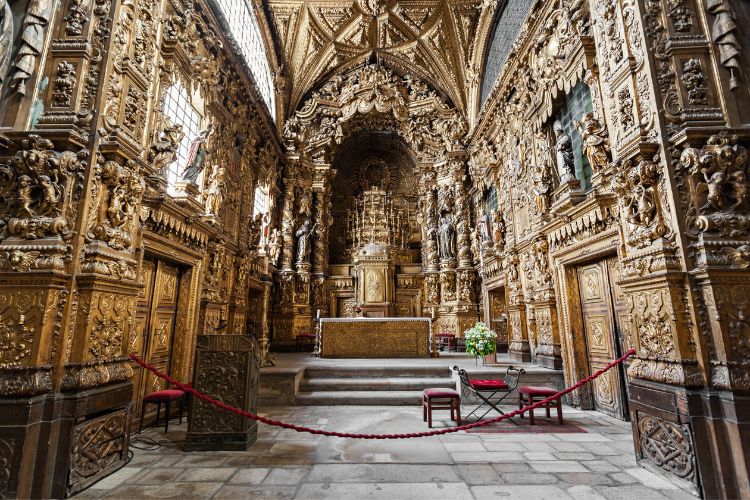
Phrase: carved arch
(410,107)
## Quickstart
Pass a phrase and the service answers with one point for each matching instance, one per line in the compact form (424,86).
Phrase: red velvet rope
(436,432)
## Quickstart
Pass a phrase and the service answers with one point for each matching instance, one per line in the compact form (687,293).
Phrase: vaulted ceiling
(439,41)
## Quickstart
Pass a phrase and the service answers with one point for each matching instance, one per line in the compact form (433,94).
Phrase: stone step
(359,398)
(375,371)
(374,384)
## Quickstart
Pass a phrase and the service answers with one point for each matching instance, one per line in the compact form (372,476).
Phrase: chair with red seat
(441,399)
(165,396)
(490,392)
(526,394)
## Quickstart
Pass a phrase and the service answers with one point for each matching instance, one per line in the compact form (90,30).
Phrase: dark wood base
(227,441)
(700,436)
(521,357)
(552,362)
(60,443)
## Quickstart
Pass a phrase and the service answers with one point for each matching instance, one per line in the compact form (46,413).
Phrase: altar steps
(359,398)
(370,385)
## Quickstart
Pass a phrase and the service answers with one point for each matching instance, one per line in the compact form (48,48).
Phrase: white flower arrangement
(480,340)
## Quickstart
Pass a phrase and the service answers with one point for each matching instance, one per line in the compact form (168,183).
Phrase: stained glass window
(245,30)
(577,102)
(178,109)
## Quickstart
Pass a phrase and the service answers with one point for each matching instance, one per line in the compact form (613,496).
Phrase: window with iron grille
(245,30)
(490,200)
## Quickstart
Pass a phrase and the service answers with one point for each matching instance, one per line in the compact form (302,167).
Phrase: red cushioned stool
(304,339)
(526,395)
(164,396)
(441,399)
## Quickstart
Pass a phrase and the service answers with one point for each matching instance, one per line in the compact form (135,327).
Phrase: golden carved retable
(375,337)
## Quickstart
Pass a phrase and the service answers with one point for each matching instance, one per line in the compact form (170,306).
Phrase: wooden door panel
(164,308)
(599,326)
(137,344)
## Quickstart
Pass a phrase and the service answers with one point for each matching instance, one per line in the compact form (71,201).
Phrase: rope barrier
(436,432)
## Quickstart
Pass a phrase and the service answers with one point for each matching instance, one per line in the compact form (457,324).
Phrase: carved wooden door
(601,331)
(156,313)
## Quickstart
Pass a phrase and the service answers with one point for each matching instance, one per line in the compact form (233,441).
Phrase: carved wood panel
(601,306)
(499,317)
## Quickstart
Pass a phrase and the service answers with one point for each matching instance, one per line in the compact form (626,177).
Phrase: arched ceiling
(438,41)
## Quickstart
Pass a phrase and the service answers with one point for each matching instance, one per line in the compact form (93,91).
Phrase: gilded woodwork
(375,338)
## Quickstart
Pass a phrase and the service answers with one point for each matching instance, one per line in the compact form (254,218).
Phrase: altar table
(375,337)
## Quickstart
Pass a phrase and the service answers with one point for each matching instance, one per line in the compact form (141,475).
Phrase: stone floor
(285,464)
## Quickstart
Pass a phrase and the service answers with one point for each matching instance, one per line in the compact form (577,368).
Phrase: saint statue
(164,149)
(542,187)
(498,230)
(724,35)
(303,241)
(595,142)
(197,155)
(484,225)
(215,191)
(31,44)
(253,239)
(564,146)
(447,239)
(274,246)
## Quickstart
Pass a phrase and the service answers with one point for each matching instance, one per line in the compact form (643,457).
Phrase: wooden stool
(526,394)
(441,399)
(159,397)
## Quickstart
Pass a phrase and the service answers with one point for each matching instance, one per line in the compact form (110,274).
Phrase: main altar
(375,337)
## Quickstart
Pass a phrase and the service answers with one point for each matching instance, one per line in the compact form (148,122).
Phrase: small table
(305,339)
(448,339)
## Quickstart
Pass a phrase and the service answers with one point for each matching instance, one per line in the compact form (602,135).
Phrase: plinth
(227,368)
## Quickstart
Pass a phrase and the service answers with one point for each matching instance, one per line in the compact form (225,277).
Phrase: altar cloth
(375,337)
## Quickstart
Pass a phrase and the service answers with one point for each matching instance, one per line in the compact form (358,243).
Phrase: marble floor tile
(385,491)
(285,464)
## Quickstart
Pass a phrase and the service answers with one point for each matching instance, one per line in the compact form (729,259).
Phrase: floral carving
(695,82)
(63,84)
(16,340)
(105,340)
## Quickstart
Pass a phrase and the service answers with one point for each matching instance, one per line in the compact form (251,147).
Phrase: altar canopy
(375,337)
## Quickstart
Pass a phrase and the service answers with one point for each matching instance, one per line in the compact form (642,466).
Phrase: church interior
(302,209)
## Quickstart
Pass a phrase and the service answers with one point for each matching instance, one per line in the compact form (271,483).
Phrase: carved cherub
(715,197)
(738,181)
(24,196)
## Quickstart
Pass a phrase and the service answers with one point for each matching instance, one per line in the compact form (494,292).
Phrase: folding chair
(490,392)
